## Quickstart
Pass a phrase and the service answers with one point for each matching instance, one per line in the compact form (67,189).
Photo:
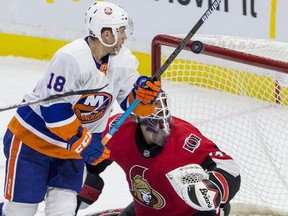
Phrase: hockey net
(235,92)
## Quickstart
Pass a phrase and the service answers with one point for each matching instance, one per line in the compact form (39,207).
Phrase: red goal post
(236,92)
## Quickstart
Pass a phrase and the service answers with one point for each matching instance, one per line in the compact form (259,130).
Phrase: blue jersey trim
(35,121)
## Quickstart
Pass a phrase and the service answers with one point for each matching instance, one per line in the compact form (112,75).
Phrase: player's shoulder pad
(124,58)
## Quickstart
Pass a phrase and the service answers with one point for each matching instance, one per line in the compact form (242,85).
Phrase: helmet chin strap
(115,49)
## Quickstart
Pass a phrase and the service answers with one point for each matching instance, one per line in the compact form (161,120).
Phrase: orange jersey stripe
(39,144)
(14,151)
(66,132)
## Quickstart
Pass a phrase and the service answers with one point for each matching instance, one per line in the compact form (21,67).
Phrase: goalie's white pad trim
(191,173)
(203,196)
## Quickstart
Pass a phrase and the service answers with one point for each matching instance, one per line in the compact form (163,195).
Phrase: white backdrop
(64,19)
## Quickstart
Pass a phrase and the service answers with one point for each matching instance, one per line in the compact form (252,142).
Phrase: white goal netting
(239,100)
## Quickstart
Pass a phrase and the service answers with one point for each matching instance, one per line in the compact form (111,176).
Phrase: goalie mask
(107,15)
(159,123)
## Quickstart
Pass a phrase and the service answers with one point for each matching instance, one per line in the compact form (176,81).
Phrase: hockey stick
(109,212)
(51,97)
(162,69)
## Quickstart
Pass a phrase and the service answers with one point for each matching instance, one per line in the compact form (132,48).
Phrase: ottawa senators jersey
(146,166)
(47,127)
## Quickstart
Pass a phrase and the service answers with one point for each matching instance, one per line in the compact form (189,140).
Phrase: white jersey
(48,126)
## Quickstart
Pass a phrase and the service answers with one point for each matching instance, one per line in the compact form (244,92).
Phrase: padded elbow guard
(91,189)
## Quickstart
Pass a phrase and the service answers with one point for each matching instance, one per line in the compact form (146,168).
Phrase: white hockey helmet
(160,122)
(106,15)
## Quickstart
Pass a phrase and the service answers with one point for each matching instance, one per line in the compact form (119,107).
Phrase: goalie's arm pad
(233,184)
(91,190)
(200,190)
(93,185)
(225,165)
(99,168)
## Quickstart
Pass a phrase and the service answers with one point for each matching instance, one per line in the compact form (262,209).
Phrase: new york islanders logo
(91,107)
(141,190)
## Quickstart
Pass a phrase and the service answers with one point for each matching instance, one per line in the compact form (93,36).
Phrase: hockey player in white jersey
(46,145)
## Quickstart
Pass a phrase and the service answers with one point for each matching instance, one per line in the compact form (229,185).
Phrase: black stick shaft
(51,97)
(187,38)
(162,69)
